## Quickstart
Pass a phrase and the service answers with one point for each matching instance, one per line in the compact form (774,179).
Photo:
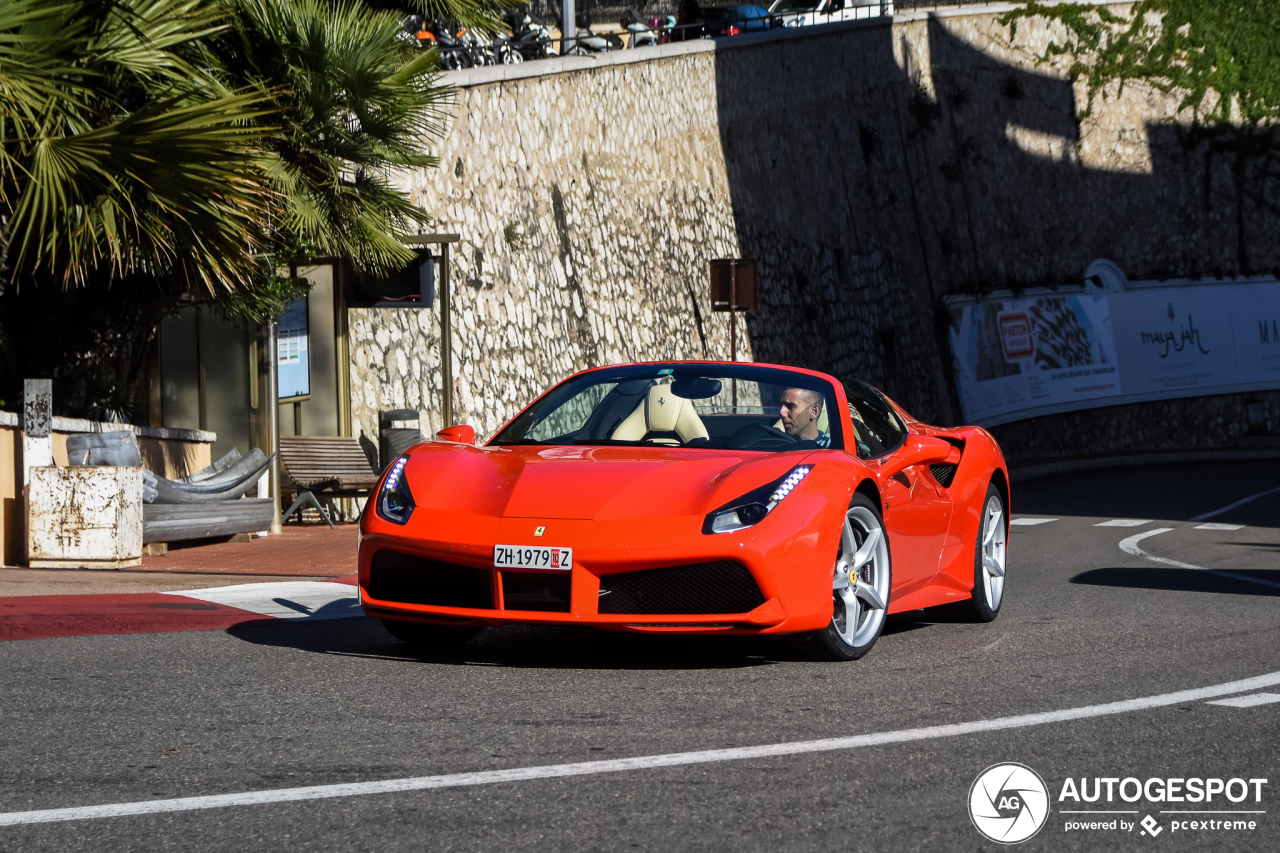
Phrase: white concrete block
(84,517)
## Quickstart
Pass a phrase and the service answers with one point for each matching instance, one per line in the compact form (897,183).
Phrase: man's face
(799,410)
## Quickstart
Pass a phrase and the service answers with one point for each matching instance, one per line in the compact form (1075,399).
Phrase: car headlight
(751,508)
(395,502)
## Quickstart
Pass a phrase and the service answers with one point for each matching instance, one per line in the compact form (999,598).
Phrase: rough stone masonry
(871,168)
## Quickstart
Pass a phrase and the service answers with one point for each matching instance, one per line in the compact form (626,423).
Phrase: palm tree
(156,150)
(120,156)
(351,103)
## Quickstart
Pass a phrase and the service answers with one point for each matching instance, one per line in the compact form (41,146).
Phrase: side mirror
(917,450)
(462,434)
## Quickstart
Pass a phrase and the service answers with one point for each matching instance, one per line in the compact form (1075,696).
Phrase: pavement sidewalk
(311,551)
(305,574)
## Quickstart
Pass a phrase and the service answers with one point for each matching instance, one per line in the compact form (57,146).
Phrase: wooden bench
(324,467)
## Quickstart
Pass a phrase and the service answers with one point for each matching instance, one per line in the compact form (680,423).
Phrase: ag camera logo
(1008,803)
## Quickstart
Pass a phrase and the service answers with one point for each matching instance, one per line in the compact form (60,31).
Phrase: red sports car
(691,497)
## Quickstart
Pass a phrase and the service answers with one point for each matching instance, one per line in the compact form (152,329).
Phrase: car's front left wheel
(861,580)
(425,634)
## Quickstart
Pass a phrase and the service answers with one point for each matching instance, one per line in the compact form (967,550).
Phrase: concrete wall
(871,168)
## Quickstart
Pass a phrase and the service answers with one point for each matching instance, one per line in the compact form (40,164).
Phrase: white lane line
(1248,701)
(1028,522)
(1124,522)
(1130,546)
(644,762)
(1214,525)
(1241,502)
(284,600)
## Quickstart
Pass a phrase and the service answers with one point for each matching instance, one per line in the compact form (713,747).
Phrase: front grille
(547,592)
(944,474)
(724,586)
(394,576)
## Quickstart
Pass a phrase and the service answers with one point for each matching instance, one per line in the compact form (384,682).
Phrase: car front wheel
(860,585)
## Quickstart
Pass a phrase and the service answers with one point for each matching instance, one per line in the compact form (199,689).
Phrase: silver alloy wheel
(511,56)
(860,587)
(993,551)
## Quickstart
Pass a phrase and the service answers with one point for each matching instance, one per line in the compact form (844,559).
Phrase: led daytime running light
(395,502)
(793,480)
(396,469)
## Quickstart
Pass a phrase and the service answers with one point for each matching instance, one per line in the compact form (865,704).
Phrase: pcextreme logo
(1009,803)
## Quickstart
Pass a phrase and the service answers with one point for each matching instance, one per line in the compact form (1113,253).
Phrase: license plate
(532,557)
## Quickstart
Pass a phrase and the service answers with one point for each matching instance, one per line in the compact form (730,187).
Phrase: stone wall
(871,168)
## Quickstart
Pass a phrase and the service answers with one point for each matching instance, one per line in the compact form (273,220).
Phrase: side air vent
(394,576)
(944,474)
(724,586)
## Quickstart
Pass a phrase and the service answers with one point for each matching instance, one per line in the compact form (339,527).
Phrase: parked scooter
(455,52)
(642,35)
(528,40)
(587,42)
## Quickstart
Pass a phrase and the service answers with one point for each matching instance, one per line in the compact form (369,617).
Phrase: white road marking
(1241,502)
(1028,522)
(1130,546)
(284,600)
(1214,525)
(1124,522)
(1249,701)
(644,762)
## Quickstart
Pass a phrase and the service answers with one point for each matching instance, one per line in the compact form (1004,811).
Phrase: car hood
(586,482)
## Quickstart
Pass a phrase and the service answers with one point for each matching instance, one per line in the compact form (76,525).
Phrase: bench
(324,467)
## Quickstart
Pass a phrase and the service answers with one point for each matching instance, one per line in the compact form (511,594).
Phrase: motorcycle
(587,42)
(454,50)
(642,35)
(528,40)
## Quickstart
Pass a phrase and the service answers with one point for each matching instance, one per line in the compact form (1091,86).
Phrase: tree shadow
(1184,580)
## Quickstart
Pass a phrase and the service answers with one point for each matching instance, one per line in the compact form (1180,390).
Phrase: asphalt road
(119,719)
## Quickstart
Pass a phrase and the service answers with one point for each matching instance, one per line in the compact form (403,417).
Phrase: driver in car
(800,409)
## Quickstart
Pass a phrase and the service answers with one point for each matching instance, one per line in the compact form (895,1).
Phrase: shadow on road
(531,646)
(1182,492)
(1183,580)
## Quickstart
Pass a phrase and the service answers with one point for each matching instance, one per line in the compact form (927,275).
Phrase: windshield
(683,405)
(787,6)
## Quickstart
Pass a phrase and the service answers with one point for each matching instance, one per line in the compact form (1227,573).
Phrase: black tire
(837,642)
(983,606)
(426,634)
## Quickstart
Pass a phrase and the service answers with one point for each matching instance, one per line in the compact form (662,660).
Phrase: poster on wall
(1255,329)
(1174,339)
(293,365)
(1017,354)
(1018,358)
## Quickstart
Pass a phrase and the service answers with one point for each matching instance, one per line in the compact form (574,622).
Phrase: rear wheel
(860,586)
(989,559)
(424,634)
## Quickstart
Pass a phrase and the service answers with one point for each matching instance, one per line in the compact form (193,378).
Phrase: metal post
(446,341)
(273,420)
(733,323)
(568,26)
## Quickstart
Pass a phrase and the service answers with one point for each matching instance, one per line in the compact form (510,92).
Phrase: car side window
(876,427)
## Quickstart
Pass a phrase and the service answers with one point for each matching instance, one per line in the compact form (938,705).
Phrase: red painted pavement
(38,617)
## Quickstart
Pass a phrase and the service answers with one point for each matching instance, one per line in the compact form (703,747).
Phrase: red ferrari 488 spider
(691,497)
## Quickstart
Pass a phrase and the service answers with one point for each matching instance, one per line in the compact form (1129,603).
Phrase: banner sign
(1021,357)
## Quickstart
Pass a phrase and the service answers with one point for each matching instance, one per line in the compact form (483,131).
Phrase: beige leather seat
(662,412)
